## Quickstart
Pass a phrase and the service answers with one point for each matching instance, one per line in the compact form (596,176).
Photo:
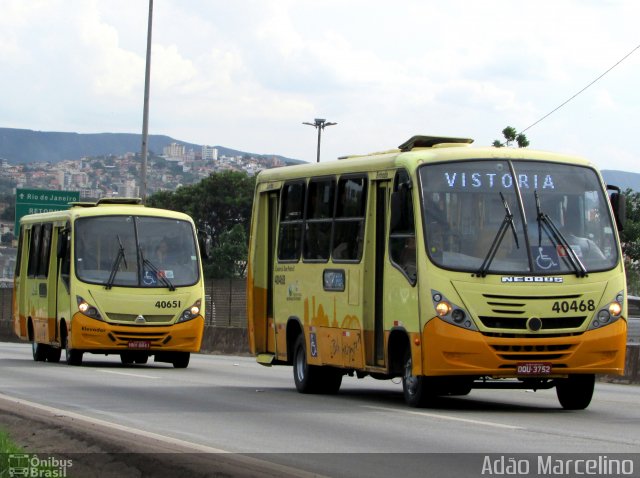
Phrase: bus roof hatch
(431,141)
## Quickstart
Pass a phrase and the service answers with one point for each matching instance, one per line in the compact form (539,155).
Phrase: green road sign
(31,201)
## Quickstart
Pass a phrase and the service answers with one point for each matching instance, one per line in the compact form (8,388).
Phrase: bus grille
(131,318)
(153,338)
(533,352)
(520,323)
(511,313)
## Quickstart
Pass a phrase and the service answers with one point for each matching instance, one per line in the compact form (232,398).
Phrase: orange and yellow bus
(449,266)
(112,277)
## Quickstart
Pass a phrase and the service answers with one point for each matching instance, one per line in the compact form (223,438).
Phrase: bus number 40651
(167,304)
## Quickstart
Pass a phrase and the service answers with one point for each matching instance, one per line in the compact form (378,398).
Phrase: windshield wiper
(495,245)
(116,264)
(557,238)
(159,275)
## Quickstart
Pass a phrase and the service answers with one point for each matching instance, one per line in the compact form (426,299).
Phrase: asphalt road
(232,404)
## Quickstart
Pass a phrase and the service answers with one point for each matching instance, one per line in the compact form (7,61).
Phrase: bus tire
(575,391)
(126,358)
(331,379)
(74,357)
(416,388)
(180,359)
(306,377)
(141,359)
(54,354)
(39,351)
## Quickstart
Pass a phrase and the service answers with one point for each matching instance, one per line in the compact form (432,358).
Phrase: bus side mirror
(619,206)
(63,241)
(204,241)
(396,210)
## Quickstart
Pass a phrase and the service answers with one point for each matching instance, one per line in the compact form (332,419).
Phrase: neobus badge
(544,279)
(140,319)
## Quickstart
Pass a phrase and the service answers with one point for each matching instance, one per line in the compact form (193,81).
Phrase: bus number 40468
(565,306)
(167,304)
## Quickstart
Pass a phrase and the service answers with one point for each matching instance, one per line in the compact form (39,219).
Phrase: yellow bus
(448,266)
(111,277)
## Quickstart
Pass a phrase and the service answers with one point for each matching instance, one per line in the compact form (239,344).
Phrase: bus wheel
(126,358)
(39,351)
(74,357)
(306,376)
(575,392)
(141,359)
(331,379)
(53,354)
(415,388)
(180,359)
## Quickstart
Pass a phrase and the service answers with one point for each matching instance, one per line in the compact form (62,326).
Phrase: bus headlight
(458,316)
(451,313)
(443,308)
(615,309)
(190,313)
(609,313)
(87,309)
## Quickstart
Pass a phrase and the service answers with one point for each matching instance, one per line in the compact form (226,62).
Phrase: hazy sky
(246,73)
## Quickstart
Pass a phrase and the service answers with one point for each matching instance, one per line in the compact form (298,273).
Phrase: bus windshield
(135,251)
(474,220)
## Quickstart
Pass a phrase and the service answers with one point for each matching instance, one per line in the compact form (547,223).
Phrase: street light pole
(319,124)
(145,114)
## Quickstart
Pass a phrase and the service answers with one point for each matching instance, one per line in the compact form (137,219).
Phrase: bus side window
(21,240)
(64,255)
(34,250)
(291,220)
(402,236)
(348,228)
(318,219)
(45,251)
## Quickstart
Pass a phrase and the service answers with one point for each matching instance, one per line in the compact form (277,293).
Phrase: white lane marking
(128,374)
(248,460)
(448,417)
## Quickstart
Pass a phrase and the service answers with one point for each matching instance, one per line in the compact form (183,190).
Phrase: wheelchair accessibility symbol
(546,258)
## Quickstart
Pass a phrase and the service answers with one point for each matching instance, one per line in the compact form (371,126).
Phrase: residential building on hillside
(209,153)
(174,152)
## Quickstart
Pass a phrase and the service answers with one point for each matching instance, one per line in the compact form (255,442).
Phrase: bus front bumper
(451,350)
(96,336)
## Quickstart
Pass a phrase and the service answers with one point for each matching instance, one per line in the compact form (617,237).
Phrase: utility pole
(319,124)
(145,114)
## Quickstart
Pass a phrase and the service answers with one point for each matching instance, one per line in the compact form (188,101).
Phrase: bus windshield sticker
(546,258)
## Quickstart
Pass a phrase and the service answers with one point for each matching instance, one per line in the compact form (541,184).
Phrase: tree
(218,204)
(630,239)
(230,256)
(510,135)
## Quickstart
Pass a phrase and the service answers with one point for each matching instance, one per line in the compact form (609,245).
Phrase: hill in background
(27,146)
(623,179)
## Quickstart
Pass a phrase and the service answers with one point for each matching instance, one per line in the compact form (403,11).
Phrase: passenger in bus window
(162,252)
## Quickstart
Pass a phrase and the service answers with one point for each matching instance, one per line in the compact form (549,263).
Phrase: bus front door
(374,285)
(261,309)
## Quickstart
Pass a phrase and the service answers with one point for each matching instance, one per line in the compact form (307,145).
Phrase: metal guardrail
(225,303)
(226,308)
